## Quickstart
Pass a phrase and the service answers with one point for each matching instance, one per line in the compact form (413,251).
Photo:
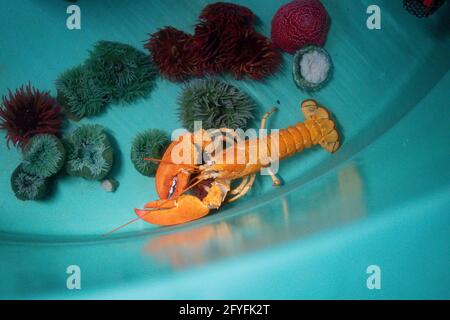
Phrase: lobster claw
(173,178)
(169,212)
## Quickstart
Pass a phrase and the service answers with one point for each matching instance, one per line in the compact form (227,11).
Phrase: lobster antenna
(122,226)
(149,210)
(134,220)
(191,186)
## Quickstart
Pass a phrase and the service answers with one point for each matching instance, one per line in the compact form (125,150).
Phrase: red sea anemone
(174,53)
(216,46)
(224,41)
(300,23)
(228,13)
(254,56)
(28,112)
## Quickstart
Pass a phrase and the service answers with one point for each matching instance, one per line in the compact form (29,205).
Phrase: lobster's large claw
(173,211)
(173,175)
(171,179)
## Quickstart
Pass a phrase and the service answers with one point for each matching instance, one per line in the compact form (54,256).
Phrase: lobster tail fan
(329,136)
(331,141)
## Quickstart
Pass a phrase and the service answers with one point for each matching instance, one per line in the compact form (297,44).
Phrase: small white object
(314,67)
(109,185)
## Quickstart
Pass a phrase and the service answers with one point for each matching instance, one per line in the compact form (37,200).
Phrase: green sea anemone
(312,68)
(125,72)
(150,144)
(43,156)
(216,104)
(80,93)
(89,153)
(28,186)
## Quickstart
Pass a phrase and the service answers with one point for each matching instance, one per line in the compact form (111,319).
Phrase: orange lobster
(189,190)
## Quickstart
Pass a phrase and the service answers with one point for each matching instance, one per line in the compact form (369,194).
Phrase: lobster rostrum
(191,188)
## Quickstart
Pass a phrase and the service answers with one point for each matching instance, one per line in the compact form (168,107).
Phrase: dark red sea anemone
(224,41)
(215,43)
(254,56)
(228,13)
(28,112)
(174,53)
(300,23)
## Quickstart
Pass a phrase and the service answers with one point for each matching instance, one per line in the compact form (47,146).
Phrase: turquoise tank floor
(383,199)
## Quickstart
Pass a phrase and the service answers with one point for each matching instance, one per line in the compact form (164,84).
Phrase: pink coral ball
(300,23)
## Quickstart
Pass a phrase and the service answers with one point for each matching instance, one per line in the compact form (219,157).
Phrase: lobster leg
(276,181)
(266,116)
(241,186)
(245,189)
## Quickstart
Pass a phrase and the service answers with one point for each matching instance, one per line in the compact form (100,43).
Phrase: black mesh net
(422,8)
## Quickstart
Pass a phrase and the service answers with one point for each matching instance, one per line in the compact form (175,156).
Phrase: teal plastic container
(382,200)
